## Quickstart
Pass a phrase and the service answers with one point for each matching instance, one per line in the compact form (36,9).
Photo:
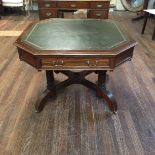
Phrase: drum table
(75,48)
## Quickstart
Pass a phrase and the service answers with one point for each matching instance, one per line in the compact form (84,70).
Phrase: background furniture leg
(145,21)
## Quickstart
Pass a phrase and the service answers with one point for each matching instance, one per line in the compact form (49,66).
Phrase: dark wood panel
(72,63)
(48,13)
(73,5)
(46,4)
(99,5)
(98,14)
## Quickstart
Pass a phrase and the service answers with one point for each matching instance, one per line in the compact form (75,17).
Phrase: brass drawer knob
(48,14)
(98,15)
(59,63)
(47,5)
(88,62)
(96,62)
(73,5)
(99,5)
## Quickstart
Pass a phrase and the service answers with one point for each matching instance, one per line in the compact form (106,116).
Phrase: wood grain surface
(76,122)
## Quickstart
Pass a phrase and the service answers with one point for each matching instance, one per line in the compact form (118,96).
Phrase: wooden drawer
(73,63)
(46,4)
(100,5)
(73,5)
(98,14)
(47,13)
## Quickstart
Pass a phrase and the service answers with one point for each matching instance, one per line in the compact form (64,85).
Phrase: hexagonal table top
(74,34)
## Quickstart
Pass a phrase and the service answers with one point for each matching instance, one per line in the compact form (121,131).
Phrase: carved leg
(101,91)
(77,78)
(101,82)
(50,91)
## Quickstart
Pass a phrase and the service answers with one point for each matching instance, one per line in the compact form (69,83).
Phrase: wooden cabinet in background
(52,8)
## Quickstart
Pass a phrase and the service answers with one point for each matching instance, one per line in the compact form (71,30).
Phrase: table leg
(101,83)
(77,78)
(145,21)
(50,91)
(102,78)
(102,92)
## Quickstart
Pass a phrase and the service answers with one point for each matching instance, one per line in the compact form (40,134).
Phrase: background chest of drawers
(95,8)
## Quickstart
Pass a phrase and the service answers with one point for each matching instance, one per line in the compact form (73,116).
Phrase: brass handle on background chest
(88,62)
(47,5)
(98,15)
(73,5)
(99,5)
(58,63)
(96,62)
(48,14)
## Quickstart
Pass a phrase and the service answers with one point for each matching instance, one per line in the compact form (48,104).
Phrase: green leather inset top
(75,34)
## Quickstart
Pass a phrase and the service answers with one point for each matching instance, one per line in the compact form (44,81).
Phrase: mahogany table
(70,45)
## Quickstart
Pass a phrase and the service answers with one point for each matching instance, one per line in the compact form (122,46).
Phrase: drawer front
(73,5)
(74,63)
(98,14)
(47,13)
(46,4)
(100,5)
